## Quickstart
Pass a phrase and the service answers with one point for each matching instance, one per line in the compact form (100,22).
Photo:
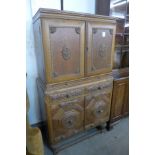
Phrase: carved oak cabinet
(74,57)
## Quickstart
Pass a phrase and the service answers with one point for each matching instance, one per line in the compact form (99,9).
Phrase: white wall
(31,65)
(31,68)
(36,4)
(87,6)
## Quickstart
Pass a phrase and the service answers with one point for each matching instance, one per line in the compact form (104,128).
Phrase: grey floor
(114,142)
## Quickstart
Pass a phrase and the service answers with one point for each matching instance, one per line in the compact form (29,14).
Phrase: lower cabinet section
(74,109)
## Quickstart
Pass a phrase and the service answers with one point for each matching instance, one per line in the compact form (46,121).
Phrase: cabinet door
(63,42)
(67,118)
(100,47)
(120,99)
(97,109)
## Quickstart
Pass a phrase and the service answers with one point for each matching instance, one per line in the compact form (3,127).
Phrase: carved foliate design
(66,53)
(67,94)
(52,29)
(69,119)
(99,108)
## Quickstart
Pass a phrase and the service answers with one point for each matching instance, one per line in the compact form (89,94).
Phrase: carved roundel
(69,120)
(99,108)
(66,53)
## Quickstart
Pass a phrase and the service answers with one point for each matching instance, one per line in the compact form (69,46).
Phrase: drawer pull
(67,96)
(100,111)
(70,122)
(99,88)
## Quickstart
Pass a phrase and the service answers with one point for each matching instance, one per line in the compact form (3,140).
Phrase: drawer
(67,118)
(102,86)
(67,94)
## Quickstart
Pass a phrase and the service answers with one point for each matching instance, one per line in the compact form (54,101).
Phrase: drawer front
(100,43)
(67,94)
(64,49)
(99,87)
(67,118)
(97,108)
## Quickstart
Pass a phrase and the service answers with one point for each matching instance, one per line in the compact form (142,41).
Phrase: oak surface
(74,57)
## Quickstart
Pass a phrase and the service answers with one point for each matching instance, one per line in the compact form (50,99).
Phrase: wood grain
(74,57)
(102,40)
(120,99)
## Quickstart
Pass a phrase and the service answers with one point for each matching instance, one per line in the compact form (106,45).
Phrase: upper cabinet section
(100,47)
(63,42)
(71,45)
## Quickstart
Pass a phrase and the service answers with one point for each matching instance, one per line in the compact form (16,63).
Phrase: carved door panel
(97,109)
(100,47)
(67,118)
(64,48)
(120,99)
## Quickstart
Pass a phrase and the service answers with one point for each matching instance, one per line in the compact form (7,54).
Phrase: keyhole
(67,96)
(99,111)
(70,122)
(99,88)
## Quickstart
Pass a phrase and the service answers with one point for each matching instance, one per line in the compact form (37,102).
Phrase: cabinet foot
(109,126)
(55,152)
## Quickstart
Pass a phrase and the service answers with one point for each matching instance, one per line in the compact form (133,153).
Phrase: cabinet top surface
(47,13)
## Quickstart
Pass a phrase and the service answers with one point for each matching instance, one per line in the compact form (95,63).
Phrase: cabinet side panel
(41,97)
(49,120)
(39,49)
